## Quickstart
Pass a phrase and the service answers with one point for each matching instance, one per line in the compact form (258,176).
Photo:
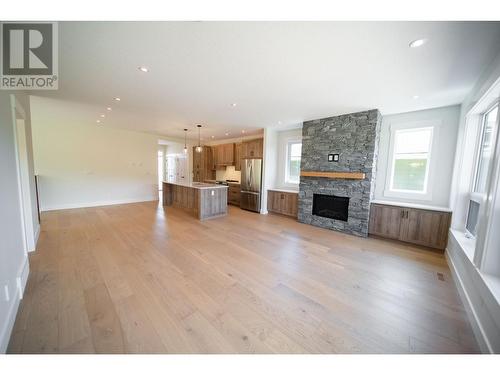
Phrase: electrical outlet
(7,294)
(212,192)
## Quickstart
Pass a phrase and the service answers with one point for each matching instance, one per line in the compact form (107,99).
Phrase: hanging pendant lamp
(185,141)
(199,148)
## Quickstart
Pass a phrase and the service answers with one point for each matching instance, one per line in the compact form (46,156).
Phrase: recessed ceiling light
(143,69)
(279,122)
(418,43)
(103,115)
(98,121)
(416,96)
(234,104)
(227,133)
(109,108)
(213,136)
(117,99)
(243,131)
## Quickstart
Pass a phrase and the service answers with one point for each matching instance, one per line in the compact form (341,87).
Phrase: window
(410,161)
(485,149)
(294,151)
(485,152)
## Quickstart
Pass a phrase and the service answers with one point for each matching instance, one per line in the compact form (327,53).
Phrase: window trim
(480,198)
(479,141)
(288,145)
(426,195)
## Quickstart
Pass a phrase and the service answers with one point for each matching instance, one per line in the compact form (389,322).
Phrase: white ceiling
(276,72)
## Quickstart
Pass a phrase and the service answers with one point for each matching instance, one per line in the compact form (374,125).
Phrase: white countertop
(197,185)
(412,205)
(285,190)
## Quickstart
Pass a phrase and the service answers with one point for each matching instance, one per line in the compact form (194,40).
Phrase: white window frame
(479,198)
(289,143)
(425,195)
(479,141)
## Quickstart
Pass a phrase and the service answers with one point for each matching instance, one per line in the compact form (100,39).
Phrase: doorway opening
(172,164)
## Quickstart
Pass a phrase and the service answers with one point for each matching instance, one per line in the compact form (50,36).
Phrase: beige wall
(86,164)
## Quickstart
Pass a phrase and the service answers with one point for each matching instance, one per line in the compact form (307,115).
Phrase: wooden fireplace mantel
(343,175)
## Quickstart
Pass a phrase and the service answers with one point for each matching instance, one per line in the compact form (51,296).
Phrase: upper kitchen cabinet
(252,149)
(203,164)
(223,154)
(237,156)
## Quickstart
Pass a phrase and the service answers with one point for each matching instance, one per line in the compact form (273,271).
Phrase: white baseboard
(99,203)
(37,235)
(8,324)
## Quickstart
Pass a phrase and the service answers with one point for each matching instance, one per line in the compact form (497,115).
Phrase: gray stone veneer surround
(355,137)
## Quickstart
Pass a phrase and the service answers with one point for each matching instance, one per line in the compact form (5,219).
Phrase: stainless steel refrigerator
(251,184)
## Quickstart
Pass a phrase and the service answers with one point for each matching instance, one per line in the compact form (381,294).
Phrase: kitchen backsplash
(228,174)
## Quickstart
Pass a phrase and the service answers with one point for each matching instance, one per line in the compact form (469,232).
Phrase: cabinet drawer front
(234,193)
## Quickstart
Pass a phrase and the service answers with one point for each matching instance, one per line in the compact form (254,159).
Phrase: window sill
(468,245)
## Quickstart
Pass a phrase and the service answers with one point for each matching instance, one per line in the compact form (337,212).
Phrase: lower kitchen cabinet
(233,194)
(419,226)
(281,202)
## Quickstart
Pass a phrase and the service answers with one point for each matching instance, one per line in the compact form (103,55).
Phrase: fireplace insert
(330,206)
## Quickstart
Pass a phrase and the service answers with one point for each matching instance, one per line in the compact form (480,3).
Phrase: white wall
(270,161)
(86,164)
(442,157)
(14,266)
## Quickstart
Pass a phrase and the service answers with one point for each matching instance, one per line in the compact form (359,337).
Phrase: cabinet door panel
(237,157)
(427,228)
(270,200)
(292,204)
(385,221)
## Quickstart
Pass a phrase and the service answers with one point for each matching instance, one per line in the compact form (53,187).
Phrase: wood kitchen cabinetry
(223,155)
(281,202)
(203,164)
(252,148)
(237,156)
(233,194)
(419,226)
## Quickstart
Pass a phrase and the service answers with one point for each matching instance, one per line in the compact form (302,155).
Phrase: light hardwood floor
(137,279)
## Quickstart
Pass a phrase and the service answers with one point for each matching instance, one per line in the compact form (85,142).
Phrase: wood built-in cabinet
(203,164)
(419,226)
(233,194)
(237,156)
(281,202)
(220,156)
(223,155)
(252,148)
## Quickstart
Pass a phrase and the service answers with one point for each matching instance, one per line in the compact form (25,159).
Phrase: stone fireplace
(341,204)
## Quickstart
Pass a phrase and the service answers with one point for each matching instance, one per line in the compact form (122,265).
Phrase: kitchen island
(203,200)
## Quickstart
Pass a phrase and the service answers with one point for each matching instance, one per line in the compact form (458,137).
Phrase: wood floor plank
(138,278)
(107,335)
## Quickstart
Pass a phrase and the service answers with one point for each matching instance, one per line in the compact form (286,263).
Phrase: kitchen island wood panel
(205,201)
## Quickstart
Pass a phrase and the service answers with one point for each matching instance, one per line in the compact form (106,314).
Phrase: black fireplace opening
(331,206)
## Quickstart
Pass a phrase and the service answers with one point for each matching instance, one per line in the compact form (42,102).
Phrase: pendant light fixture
(199,148)
(185,141)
